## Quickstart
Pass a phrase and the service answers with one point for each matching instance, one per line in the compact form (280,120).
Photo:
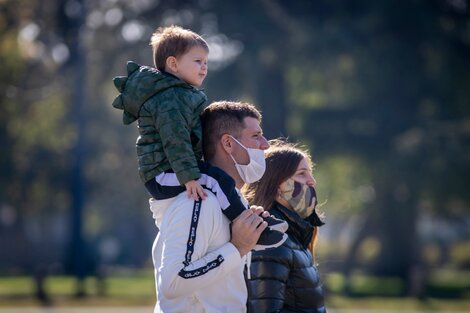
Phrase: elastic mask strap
(236,163)
(233,159)
(246,149)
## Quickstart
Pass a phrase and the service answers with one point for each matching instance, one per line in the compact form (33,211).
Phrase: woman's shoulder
(277,211)
(283,254)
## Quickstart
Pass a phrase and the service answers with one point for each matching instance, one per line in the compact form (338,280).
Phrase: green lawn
(445,283)
(137,289)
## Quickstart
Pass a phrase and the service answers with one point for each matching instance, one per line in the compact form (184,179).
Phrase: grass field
(136,289)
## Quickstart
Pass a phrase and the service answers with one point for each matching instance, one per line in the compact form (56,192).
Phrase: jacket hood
(140,84)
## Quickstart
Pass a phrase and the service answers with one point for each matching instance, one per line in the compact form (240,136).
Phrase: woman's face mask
(302,197)
(254,170)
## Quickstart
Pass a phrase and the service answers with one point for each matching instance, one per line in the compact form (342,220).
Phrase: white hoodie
(197,269)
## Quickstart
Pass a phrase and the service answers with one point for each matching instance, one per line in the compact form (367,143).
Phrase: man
(198,260)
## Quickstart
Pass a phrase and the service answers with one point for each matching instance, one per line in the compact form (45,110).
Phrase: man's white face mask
(254,170)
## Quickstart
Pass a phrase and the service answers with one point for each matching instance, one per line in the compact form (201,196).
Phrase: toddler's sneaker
(270,238)
(275,223)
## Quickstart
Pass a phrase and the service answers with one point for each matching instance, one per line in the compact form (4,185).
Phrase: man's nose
(264,144)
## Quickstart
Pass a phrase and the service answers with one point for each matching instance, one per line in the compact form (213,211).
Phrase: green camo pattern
(167,111)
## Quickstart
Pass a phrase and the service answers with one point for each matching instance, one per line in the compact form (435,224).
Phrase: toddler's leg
(164,186)
(223,186)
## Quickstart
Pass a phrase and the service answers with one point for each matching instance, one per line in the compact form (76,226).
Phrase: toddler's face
(192,66)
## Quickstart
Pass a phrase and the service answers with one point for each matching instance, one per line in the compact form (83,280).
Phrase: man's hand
(194,190)
(247,228)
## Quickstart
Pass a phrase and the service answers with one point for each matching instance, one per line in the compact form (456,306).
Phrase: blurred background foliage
(378,90)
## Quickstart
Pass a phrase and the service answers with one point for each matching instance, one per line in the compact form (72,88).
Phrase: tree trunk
(396,222)
(271,98)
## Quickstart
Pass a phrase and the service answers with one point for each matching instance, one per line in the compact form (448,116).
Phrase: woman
(285,279)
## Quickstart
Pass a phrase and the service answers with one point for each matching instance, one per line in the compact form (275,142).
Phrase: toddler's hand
(194,190)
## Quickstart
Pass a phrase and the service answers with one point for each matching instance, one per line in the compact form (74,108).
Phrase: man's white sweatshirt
(197,269)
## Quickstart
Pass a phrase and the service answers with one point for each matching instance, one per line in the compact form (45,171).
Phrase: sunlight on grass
(398,304)
(13,286)
(122,284)
(136,288)
(131,286)
(362,285)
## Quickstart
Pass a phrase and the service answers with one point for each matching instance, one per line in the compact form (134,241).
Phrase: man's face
(251,137)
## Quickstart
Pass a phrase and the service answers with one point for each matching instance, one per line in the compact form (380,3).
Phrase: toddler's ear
(171,64)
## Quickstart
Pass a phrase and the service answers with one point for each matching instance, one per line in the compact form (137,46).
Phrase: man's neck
(240,185)
(229,168)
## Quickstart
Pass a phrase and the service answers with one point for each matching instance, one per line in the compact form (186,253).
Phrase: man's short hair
(173,41)
(224,117)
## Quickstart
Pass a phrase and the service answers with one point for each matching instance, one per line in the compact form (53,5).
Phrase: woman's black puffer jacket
(284,279)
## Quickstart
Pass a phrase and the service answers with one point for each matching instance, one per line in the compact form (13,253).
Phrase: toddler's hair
(173,41)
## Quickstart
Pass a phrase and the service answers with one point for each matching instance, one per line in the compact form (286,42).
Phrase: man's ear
(171,64)
(226,143)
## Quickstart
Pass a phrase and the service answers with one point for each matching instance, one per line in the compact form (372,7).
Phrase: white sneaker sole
(277,244)
(282,227)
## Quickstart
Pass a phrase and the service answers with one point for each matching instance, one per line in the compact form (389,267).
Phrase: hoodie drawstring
(248,265)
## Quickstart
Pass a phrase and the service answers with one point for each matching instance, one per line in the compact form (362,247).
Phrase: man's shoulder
(182,204)
(211,203)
